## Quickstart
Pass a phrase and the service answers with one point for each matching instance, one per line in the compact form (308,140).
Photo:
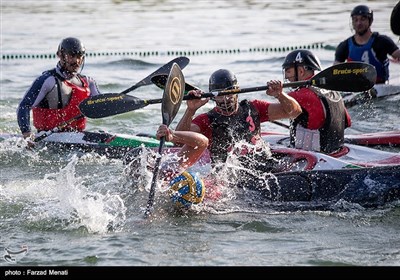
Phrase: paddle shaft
(112,104)
(242,90)
(152,192)
(281,124)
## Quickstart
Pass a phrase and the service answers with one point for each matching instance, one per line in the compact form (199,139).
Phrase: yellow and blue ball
(186,189)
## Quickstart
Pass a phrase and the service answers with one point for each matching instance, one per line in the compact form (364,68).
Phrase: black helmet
(72,46)
(222,79)
(362,10)
(302,58)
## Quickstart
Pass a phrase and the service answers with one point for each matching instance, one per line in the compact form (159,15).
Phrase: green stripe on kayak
(135,141)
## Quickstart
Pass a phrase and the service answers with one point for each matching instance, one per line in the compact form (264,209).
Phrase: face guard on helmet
(303,58)
(223,79)
(72,55)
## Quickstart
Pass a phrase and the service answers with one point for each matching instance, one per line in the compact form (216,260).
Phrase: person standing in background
(367,46)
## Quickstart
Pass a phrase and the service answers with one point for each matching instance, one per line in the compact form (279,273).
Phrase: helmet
(222,79)
(186,189)
(72,46)
(362,10)
(303,58)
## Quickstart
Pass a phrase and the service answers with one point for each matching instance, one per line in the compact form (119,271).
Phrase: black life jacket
(332,132)
(227,130)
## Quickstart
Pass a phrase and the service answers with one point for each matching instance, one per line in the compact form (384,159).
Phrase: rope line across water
(175,53)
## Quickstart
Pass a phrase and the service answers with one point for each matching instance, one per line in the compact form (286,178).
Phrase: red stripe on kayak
(379,138)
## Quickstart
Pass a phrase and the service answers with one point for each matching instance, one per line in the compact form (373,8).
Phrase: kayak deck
(103,143)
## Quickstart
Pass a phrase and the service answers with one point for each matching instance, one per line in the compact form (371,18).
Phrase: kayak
(327,189)
(304,180)
(378,91)
(384,138)
(117,145)
(103,143)
(350,153)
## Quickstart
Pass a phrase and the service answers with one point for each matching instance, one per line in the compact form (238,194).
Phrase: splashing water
(61,200)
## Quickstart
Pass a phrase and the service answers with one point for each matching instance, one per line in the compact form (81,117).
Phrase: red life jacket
(48,119)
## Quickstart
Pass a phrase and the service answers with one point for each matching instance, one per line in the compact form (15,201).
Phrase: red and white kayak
(312,180)
(116,146)
(351,154)
(384,138)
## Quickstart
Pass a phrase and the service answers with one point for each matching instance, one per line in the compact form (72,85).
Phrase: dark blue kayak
(368,187)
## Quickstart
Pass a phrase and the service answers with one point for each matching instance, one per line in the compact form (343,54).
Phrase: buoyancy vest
(331,135)
(45,118)
(227,130)
(366,54)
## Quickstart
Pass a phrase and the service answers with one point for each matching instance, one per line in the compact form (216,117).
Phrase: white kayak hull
(352,154)
(379,91)
(110,145)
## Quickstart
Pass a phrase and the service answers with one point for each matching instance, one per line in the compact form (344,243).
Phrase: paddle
(182,61)
(350,76)
(165,69)
(171,102)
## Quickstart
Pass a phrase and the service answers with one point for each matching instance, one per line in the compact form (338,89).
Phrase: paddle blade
(395,19)
(173,94)
(182,61)
(161,79)
(171,101)
(349,77)
(110,104)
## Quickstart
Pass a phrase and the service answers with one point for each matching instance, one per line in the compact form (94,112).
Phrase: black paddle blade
(110,104)
(161,79)
(171,101)
(173,94)
(182,61)
(349,77)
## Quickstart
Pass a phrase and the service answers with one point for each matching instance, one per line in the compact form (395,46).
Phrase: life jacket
(366,54)
(45,118)
(226,130)
(328,138)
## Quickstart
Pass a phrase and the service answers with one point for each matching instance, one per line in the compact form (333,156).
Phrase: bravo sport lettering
(102,100)
(347,71)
